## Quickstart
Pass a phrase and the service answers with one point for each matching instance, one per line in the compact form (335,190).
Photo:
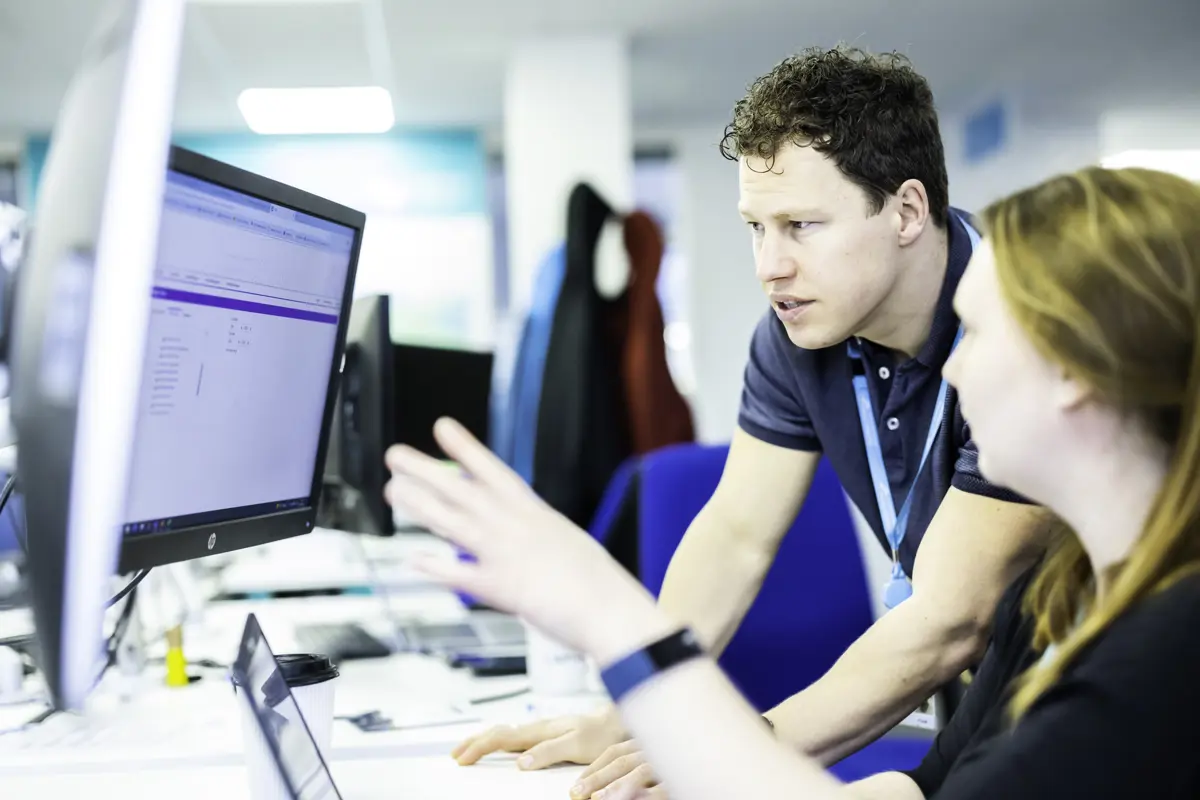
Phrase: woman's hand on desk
(575,739)
(528,558)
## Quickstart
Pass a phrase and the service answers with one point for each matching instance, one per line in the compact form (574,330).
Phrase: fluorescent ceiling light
(350,109)
(270,2)
(1185,163)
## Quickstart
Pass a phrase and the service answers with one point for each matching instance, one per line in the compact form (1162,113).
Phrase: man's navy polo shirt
(804,400)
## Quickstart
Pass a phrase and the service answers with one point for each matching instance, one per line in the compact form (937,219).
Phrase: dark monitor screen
(434,382)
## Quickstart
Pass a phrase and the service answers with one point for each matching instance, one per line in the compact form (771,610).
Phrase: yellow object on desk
(176,663)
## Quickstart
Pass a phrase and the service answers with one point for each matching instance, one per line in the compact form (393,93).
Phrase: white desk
(325,560)
(188,741)
(377,779)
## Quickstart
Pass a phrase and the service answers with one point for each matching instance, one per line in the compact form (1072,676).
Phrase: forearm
(713,579)
(892,668)
(703,739)
(884,786)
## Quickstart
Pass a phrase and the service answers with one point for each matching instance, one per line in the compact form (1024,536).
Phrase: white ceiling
(691,59)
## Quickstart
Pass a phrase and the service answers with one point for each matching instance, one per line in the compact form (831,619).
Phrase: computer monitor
(249,309)
(79,326)
(433,382)
(363,427)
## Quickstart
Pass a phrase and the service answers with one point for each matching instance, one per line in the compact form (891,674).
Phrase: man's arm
(712,580)
(884,786)
(723,558)
(974,547)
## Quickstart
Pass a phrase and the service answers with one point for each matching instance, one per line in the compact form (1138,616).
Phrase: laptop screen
(260,683)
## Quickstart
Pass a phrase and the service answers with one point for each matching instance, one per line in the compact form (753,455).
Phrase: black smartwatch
(638,667)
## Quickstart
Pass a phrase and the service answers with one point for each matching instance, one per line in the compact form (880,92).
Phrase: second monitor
(362,426)
(392,393)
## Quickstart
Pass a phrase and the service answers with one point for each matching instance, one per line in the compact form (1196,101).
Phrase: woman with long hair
(1079,373)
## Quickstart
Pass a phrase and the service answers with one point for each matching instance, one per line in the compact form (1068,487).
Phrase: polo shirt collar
(936,350)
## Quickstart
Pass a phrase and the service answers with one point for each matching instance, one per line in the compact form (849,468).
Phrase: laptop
(300,766)
(304,774)
(482,630)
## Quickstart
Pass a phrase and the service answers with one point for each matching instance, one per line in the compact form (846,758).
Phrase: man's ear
(913,205)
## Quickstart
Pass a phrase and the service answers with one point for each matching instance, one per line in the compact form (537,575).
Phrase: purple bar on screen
(195,298)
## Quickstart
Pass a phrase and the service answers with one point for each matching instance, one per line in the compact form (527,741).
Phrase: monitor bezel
(145,550)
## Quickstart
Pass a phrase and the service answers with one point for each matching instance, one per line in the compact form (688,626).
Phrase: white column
(567,118)
(725,300)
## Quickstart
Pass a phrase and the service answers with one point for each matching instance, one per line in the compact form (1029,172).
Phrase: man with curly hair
(843,187)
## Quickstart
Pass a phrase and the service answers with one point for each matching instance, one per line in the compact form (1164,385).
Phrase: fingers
(635,784)
(458,443)
(450,571)
(610,755)
(447,480)
(432,510)
(621,778)
(505,738)
(562,750)
(653,793)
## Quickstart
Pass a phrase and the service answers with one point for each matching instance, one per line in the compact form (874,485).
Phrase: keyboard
(340,641)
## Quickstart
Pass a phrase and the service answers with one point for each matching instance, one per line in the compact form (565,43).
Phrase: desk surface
(428,778)
(328,560)
(187,743)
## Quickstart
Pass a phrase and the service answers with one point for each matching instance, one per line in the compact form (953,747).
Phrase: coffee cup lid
(306,669)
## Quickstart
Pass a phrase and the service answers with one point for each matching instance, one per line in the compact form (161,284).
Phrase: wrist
(631,672)
(630,623)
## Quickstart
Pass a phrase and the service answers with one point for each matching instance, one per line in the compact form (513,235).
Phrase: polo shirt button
(893,423)
(885,373)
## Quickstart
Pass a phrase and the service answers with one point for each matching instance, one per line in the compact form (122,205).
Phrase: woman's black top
(1124,721)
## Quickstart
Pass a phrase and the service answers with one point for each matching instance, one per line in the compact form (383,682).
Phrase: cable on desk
(7,490)
(129,588)
(9,485)
(36,720)
(121,627)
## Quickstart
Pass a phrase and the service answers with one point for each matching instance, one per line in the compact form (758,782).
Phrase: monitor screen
(244,322)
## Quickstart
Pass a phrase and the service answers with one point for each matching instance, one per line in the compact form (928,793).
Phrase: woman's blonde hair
(1101,270)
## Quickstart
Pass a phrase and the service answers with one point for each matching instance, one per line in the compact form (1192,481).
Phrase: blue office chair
(814,602)
(616,495)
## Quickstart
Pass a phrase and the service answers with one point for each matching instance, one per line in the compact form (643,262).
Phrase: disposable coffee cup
(554,669)
(311,679)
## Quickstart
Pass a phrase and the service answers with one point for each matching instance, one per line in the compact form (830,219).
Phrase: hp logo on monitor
(212,541)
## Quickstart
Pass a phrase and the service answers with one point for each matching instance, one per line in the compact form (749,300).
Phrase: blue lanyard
(895,523)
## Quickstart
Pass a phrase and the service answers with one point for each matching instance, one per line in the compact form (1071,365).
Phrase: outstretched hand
(528,558)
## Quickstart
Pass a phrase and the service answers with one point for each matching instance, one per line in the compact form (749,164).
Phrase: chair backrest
(615,523)
(616,496)
(814,602)
(517,386)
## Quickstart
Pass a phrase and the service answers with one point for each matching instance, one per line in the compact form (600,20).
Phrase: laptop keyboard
(340,641)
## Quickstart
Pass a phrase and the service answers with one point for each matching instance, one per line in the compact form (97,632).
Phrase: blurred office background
(498,108)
